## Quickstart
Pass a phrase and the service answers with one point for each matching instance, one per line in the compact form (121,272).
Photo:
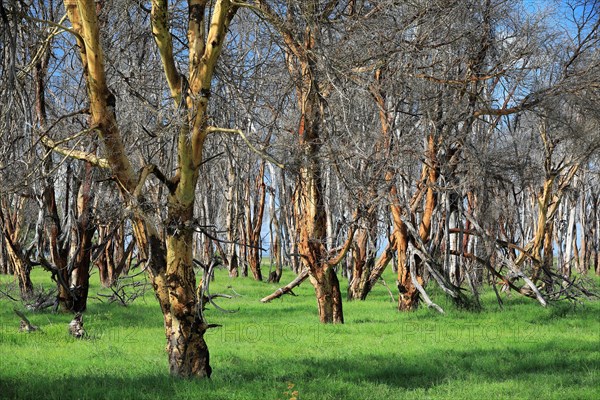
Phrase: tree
(301,26)
(169,259)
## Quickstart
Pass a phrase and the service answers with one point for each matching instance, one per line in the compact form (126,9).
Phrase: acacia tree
(301,25)
(169,254)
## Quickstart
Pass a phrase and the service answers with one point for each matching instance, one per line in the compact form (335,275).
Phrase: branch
(287,288)
(42,49)
(26,326)
(205,294)
(382,281)
(76,154)
(85,110)
(343,250)
(534,288)
(264,10)
(213,129)
(498,112)
(460,82)
(153,169)
(490,268)
(55,24)
(420,250)
(382,263)
(164,43)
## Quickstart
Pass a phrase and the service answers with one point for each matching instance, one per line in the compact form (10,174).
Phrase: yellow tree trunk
(169,259)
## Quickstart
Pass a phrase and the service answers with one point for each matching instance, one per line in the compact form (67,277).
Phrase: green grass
(522,352)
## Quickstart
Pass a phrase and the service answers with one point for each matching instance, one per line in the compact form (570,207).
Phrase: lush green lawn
(270,351)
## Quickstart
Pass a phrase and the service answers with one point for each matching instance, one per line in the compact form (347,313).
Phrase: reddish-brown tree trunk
(329,297)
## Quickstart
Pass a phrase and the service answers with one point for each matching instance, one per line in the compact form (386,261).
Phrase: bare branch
(212,129)
(287,288)
(76,154)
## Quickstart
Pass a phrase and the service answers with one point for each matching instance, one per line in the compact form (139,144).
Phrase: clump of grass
(524,351)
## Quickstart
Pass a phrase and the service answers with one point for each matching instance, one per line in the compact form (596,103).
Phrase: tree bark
(12,221)
(254,222)
(309,206)
(84,232)
(363,263)
(170,260)
(329,297)
(188,352)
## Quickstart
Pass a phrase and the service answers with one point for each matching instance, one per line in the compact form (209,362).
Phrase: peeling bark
(169,260)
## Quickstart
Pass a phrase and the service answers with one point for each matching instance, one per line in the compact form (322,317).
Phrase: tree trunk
(4,265)
(409,294)
(12,221)
(232,223)
(312,228)
(275,276)
(568,257)
(380,266)
(254,223)
(311,219)
(329,297)
(188,352)
(362,265)
(114,258)
(169,261)
(84,232)
(21,268)
(593,239)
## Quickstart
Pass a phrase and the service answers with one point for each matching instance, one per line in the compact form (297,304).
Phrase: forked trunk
(174,285)
(312,246)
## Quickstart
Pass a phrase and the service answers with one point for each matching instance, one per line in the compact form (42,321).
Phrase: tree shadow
(401,372)
(425,370)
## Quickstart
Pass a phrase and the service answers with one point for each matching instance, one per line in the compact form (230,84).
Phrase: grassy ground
(279,351)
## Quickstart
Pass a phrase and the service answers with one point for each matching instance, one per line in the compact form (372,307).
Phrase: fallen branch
(287,288)
(533,288)
(422,291)
(7,294)
(204,293)
(26,326)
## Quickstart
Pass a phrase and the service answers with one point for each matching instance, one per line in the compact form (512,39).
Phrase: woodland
(291,167)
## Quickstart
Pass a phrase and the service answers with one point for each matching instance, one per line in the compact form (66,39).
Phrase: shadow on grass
(537,362)
(428,369)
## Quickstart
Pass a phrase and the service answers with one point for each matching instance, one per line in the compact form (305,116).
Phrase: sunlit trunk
(188,352)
